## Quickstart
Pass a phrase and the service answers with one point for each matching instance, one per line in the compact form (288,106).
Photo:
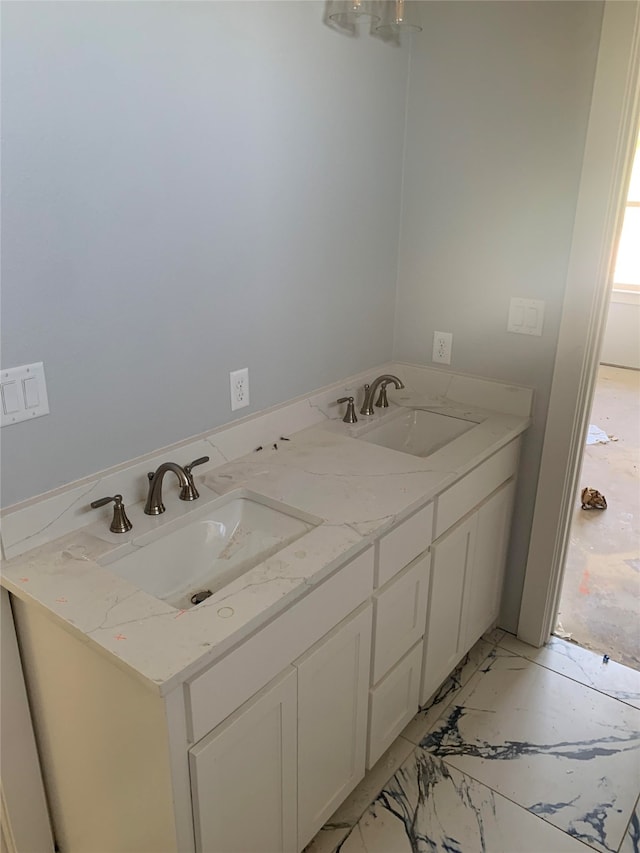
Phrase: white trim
(625,297)
(24,812)
(608,157)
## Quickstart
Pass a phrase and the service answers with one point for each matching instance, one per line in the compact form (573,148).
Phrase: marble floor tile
(327,840)
(560,749)
(429,807)
(495,635)
(427,716)
(631,842)
(582,665)
(350,812)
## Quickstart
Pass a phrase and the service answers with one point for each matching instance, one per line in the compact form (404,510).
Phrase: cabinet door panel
(244,776)
(484,588)
(400,611)
(333,680)
(393,703)
(452,556)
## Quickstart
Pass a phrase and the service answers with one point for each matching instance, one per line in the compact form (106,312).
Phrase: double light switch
(526,316)
(23,393)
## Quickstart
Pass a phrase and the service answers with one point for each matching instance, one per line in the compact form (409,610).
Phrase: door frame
(608,156)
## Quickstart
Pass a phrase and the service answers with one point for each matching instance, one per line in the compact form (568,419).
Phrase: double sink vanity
(220,677)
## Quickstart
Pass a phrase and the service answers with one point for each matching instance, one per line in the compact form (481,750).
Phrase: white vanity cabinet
(254,750)
(333,681)
(484,587)
(400,607)
(444,647)
(266,779)
(244,776)
(468,564)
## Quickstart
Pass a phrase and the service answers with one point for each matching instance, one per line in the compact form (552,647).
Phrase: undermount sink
(417,432)
(210,547)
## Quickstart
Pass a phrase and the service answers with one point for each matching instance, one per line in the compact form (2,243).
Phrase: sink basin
(210,547)
(417,432)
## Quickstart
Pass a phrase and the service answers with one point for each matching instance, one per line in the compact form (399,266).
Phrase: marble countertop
(358,490)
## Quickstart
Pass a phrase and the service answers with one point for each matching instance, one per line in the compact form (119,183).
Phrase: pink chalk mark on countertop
(62,600)
(119,637)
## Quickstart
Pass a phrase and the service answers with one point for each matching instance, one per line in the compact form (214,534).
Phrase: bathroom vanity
(242,723)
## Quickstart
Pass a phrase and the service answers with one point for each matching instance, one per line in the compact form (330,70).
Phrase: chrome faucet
(188,491)
(370,392)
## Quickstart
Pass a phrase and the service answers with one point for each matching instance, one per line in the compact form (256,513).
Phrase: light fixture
(345,13)
(395,21)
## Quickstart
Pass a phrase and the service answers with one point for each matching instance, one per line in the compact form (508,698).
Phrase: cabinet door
(243,776)
(333,681)
(484,586)
(444,640)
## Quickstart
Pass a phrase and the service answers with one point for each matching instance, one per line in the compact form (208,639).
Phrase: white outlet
(239,381)
(442,344)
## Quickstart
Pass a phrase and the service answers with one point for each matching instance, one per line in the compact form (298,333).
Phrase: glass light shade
(397,21)
(346,12)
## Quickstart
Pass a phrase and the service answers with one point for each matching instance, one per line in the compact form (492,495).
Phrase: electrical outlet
(239,381)
(442,344)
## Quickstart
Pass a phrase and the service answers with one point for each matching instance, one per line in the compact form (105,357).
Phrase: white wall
(621,345)
(188,188)
(499,97)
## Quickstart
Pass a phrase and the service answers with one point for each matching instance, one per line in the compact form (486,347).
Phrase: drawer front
(393,704)
(475,487)
(400,610)
(403,544)
(218,691)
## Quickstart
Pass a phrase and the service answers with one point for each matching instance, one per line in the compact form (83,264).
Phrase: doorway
(600,595)
(610,145)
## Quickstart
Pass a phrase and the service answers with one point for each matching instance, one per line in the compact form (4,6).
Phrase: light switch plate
(526,316)
(23,394)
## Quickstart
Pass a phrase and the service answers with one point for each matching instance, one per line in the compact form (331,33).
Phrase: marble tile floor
(522,750)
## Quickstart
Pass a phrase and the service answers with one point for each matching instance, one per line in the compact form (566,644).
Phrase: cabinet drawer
(403,544)
(222,688)
(464,495)
(400,612)
(393,703)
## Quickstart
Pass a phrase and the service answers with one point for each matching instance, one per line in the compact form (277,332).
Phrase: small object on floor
(606,659)
(593,499)
(560,632)
(595,435)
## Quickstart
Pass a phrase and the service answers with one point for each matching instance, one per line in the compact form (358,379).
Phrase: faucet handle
(200,461)
(383,402)
(189,492)
(350,416)
(120,523)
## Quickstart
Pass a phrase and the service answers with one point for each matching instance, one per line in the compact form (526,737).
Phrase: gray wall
(189,188)
(498,104)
